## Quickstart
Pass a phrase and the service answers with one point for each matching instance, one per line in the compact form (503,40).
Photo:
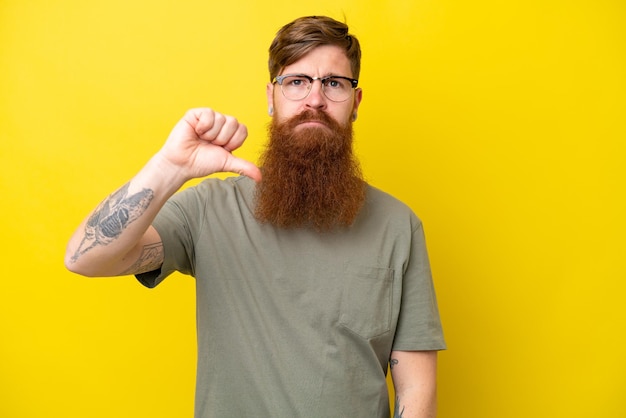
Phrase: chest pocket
(366,300)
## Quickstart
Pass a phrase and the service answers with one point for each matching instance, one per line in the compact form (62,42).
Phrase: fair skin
(414,375)
(322,61)
(413,372)
(202,144)
(199,145)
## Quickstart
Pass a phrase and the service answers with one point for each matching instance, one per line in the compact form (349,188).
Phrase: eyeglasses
(298,86)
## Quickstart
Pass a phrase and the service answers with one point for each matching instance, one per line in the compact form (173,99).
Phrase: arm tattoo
(112,216)
(150,259)
(397,413)
(392,363)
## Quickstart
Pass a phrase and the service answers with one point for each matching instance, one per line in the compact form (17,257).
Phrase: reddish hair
(298,38)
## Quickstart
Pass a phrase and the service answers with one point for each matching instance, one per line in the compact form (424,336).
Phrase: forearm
(116,238)
(415,383)
(107,242)
(416,404)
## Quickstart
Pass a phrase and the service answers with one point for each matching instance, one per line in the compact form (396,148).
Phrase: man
(309,281)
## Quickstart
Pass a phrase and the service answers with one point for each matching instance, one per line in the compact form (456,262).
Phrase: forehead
(321,61)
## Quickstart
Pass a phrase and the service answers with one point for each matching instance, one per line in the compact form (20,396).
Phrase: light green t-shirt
(291,322)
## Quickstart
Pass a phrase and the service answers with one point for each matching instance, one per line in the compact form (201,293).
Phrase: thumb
(243,167)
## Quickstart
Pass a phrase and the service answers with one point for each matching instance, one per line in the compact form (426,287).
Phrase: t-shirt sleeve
(175,226)
(419,325)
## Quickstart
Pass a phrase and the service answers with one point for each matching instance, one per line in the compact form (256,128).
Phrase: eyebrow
(323,76)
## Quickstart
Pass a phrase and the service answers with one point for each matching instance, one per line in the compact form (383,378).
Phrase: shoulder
(216,187)
(215,194)
(213,201)
(379,196)
(382,204)
(209,193)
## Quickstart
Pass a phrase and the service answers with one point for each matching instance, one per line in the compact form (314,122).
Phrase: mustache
(309,115)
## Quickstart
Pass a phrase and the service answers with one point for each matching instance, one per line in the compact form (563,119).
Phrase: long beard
(310,176)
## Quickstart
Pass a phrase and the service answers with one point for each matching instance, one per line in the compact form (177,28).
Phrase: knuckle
(220,118)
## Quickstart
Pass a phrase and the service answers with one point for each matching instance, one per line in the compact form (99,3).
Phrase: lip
(312,123)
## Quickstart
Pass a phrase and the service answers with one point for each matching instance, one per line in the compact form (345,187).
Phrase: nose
(316,98)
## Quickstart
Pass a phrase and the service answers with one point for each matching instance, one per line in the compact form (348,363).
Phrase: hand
(202,143)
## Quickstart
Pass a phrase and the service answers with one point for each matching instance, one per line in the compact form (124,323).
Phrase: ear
(270,98)
(358,96)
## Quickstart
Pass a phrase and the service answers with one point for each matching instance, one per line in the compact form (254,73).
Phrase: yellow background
(501,123)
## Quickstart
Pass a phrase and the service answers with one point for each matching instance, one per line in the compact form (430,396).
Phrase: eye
(336,83)
(295,81)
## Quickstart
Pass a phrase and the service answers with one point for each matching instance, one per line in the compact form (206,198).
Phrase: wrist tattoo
(112,217)
(397,412)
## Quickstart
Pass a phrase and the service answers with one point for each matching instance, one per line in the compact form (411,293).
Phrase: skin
(414,375)
(117,237)
(322,61)
(111,243)
(413,372)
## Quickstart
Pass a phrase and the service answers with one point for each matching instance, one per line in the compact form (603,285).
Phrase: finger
(200,120)
(237,138)
(243,167)
(210,125)
(227,131)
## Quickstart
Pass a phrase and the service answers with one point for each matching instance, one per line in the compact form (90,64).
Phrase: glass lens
(337,89)
(296,87)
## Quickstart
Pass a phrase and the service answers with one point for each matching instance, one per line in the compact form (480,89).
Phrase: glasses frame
(280,78)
